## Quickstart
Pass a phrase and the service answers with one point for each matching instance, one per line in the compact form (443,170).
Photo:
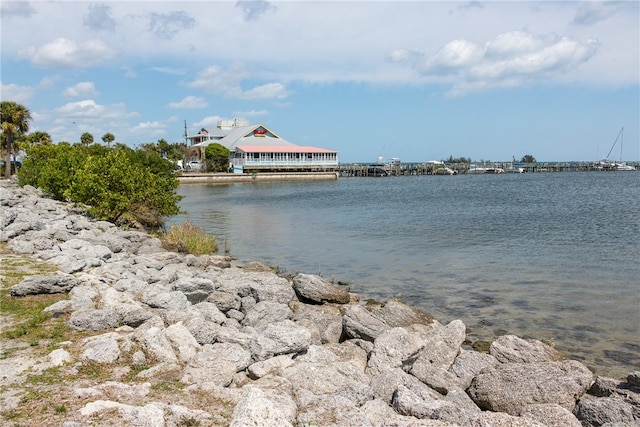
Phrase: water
(549,256)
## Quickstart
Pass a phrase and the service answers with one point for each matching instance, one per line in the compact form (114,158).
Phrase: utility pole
(186,141)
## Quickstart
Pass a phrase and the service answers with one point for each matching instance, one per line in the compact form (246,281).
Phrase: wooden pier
(408,169)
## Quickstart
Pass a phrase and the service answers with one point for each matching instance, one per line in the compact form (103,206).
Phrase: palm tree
(108,138)
(15,120)
(86,139)
(39,138)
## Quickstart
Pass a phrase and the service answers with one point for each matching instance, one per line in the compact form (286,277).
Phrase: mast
(614,144)
(621,139)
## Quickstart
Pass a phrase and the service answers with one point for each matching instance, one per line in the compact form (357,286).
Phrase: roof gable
(258,135)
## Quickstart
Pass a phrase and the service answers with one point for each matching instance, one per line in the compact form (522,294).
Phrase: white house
(256,148)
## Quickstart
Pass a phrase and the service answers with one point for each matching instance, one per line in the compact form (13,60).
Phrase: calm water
(550,256)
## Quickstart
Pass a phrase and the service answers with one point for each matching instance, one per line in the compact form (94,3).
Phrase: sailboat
(617,166)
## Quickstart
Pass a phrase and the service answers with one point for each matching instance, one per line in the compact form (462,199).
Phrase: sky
(417,80)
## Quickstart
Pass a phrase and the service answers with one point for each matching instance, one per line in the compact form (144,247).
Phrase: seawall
(224,178)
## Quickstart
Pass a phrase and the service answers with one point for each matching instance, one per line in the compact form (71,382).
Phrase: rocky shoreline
(243,346)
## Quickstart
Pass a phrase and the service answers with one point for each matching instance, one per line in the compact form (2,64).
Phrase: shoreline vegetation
(102,325)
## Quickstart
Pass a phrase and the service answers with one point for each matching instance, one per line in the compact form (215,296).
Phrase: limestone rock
(44,285)
(265,313)
(513,349)
(441,347)
(254,409)
(94,320)
(157,347)
(102,348)
(316,289)
(550,415)
(392,348)
(358,322)
(509,387)
(468,364)
(216,363)
(597,412)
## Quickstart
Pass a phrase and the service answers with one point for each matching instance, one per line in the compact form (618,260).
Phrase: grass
(30,323)
(189,238)
(47,396)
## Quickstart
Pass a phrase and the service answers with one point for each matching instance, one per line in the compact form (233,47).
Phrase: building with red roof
(255,148)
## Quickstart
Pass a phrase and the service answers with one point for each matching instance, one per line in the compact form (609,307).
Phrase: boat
(476,170)
(607,164)
(445,171)
(494,170)
(515,170)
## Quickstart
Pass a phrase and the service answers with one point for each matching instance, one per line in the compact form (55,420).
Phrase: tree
(216,157)
(528,158)
(174,152)
(86,139)
(39,138)
(15,121)
(108,138)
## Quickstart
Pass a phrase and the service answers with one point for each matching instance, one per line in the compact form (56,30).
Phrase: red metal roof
(282,149)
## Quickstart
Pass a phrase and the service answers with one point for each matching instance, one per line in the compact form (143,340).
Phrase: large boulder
(468,364)
(55,284)
(255,409)
(392,348)
(441,347)
(358,322)
(509,387)
(513,349)
(94,320)
(216,364)
(318,290)
(603,410)
(396,313)
(550,415)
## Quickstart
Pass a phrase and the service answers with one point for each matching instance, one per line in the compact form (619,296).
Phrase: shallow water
(553,256)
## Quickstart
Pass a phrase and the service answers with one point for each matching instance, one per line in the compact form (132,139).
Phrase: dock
(408,169)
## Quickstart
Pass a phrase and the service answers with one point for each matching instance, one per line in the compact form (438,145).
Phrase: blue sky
(421,80)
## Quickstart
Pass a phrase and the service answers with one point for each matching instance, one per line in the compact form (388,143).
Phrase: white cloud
(170,70)
(207,122)
(190,102)
(16,93)
(49,81)
(454,55)
(64,53)
(510,59)
(88,109)
(228,82)
(267,91)
(81,90)
(150,129)
(252,113)
(67,122)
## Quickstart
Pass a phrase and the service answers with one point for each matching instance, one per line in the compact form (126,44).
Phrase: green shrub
(217,157)
(189,238)
(119,185)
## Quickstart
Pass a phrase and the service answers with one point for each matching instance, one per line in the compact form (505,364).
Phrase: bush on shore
(121,185)
(189,238)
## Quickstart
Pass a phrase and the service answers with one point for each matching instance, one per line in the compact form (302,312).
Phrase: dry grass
(189,238)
